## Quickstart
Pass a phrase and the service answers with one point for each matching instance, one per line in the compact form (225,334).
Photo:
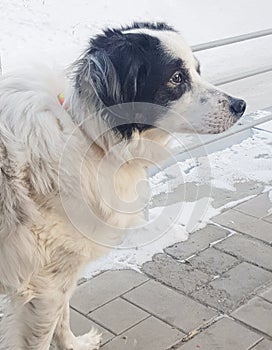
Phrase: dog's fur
(69,173)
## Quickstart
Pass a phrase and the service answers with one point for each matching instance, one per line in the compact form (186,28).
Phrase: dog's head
(151,65)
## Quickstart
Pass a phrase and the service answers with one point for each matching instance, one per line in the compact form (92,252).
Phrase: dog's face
(151,65)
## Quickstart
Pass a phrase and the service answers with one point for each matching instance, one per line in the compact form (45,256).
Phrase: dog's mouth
(219,124)
(228,114)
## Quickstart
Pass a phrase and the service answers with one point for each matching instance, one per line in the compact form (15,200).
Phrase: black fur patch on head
(125,67)
(149,25)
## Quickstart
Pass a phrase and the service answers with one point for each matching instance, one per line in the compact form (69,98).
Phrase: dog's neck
(142,149)
(113,168)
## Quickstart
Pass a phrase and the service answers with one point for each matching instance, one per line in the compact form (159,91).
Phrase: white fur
(45,172)
(69,190)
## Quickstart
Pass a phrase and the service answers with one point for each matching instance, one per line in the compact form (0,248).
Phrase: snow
(249,161)
(57,31)
(266,126)
(60,29)
(246,161)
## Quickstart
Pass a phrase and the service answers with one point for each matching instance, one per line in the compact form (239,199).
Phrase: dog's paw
(88,341)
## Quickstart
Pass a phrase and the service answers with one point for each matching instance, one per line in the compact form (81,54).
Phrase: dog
(70,165)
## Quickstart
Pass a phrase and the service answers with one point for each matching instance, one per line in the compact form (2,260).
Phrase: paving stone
(170,306)
(246,224)
(256,313)
(118,315)
(176,274)
(267,294)
(104,288)
(151,334)
(81,325)
(213,262)
(197,241)
(233,287)
(248,249)
(225,334)
(263,345)
(258,206)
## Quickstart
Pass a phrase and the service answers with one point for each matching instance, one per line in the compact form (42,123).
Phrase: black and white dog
(69,170)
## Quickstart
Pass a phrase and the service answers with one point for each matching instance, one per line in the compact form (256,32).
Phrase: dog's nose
(237,107)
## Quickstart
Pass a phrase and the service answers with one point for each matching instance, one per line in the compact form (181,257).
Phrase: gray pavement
(212,292)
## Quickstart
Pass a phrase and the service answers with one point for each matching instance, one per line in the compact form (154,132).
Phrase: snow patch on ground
(251,160)
(246,161)
(61,29)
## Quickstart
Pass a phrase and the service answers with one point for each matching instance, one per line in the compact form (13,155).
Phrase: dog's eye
(176,78)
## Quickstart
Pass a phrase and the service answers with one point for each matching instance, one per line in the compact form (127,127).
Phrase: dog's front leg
(65,339)
(31,324)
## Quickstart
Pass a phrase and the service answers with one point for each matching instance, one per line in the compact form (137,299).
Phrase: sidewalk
(211,292)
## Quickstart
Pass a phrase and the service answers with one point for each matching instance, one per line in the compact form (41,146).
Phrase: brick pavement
(212,292)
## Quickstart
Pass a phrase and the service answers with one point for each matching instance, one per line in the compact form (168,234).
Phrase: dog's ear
(116,82)
(115,67)
(96,70)
(105,80)
(133,82)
